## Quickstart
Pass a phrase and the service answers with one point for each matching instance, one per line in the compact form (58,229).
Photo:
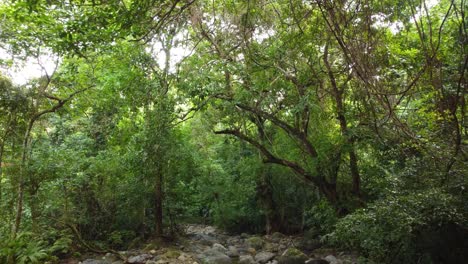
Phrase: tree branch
(270,157)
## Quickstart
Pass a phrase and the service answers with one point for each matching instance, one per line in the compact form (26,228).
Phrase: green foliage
(328,108)
(24,249)
(321,217)
(396,228)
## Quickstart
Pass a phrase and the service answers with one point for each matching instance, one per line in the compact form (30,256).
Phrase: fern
(24,249)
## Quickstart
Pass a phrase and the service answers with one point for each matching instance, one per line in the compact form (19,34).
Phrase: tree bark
(2,149)
(27,135)
(158,199)
(328,189)
(337,93)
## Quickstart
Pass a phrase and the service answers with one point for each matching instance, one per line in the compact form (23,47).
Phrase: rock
(111,257)
(171,254)
(309,244)
(118,262)
(273,247)
(213,256)
(94,261)
(232,252)
(264,257)
(255,242)
(209,230)
(246,259)
(252,251)
(204,239)
(317,261)
(154,245)
(139,259)
(292,256)
(244,235)
(277,236)
(182,257)
(233,240)
(220,248)
(332,259)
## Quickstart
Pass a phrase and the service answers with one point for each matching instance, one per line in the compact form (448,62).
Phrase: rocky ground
(208,245)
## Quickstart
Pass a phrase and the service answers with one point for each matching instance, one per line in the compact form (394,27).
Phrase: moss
(292,256)
(172,254)
(255,242)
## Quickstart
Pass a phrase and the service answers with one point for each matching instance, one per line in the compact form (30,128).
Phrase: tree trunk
(34,209)
(158,209)
(265,196)
(264,188)
(354,171)
(340,112)
(2,148)
(19,201)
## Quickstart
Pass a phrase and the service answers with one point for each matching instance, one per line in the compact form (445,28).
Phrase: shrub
(423,227)
(321,217)
(23,249)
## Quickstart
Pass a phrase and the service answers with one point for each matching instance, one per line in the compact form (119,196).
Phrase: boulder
(140,259)
(251,251)
(264,257)
(232,252)
(246,259)
(213,256)
(204,239)
(277,236)
(172,254)
(255,242)
(272,247)
(292,256)
(220,248)
(333,260)
(94,261)
(209,230)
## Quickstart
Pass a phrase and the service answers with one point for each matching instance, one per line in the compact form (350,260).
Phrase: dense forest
(299,128)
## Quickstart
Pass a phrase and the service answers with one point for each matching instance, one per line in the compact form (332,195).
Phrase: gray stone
(292,256)
(333,260)
(277,236)
(273,247)
(232,252)
(246,259)
(264,257)
(255,242)
(213,256)
(220,248)
(204,239)
(139,259)
(94,261)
